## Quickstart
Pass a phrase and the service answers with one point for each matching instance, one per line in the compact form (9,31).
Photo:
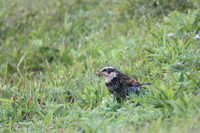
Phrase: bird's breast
(108,79)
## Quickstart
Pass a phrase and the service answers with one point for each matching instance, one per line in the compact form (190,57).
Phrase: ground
(49,51)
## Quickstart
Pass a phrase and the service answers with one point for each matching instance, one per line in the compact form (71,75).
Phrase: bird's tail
(145,84)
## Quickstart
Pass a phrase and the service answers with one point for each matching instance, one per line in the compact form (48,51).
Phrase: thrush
(119,84)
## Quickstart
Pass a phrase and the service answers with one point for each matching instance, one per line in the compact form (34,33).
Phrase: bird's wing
(129,81)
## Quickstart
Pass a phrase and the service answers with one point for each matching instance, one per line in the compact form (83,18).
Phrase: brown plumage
(131,82)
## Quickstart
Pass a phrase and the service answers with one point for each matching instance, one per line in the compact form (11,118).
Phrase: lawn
(50,49)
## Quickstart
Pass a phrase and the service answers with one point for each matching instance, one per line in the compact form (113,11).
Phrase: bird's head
(108,72)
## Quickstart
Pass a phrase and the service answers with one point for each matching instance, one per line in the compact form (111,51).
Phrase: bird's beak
(98,73)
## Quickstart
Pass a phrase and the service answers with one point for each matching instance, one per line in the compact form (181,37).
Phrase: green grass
(49,51)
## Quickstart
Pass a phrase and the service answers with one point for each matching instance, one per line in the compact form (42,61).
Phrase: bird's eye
(104,70)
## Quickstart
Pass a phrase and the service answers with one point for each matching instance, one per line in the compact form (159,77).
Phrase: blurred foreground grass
(50,49)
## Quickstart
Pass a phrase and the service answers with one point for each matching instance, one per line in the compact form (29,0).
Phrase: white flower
(170,34)
(196,36)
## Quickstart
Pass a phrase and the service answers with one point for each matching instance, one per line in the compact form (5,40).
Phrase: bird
(119,84)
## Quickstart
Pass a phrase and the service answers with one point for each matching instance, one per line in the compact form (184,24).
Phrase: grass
(50,50)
